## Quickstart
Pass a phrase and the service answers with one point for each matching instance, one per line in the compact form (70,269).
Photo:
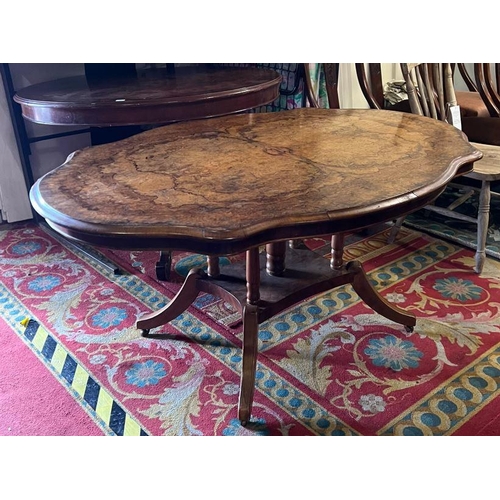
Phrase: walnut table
(227,185)
(149,97)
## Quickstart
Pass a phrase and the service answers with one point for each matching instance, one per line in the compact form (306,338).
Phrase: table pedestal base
(258,296)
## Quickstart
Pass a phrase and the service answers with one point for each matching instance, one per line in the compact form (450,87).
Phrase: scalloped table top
(224,184)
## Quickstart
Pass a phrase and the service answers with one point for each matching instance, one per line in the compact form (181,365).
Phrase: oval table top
(153,96)
(223,185)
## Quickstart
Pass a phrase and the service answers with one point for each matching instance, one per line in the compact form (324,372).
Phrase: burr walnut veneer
(149,97)
(231,184)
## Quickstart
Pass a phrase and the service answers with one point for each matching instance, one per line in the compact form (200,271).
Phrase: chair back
(464,73)
(330,73)
(370,81)
(488,86)
(430,90)
(369,76)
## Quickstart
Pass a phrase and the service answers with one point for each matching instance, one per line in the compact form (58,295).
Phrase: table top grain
(224,184)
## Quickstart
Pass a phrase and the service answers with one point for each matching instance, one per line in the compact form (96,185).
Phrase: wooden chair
(483,126)
(470,101)
(431,93)
(371,83)
(487,87)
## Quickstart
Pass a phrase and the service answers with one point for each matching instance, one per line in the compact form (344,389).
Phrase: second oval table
(150,97)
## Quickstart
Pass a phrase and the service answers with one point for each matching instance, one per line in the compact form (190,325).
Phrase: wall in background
(45,155)
(350,94)
(14,202)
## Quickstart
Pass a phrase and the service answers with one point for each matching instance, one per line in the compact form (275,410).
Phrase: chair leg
(483,218)
(395,230)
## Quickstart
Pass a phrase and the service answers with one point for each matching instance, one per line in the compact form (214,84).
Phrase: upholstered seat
(471,104)
(480,121)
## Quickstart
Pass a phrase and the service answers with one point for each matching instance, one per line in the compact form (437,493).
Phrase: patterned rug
(327,366)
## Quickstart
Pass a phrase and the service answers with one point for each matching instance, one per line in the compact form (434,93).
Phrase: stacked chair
(431,92)
(423,81)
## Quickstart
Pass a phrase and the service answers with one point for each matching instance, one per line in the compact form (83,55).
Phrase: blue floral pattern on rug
(112,316)
(146,373)
(458,289)
(44,283)
(394,353)
(26,247)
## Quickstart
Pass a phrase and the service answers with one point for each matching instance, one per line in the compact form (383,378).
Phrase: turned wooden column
(275,261)
(483,217)
(337,259)
(213,268)
(253,275)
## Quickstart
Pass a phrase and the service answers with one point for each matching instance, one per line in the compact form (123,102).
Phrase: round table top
(153,96)
(222,185)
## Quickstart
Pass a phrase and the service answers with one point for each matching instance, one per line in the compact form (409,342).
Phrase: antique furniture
(153,96)
(371,83)
(481,123)
(236,183)
(431,93)
(369,77)
(470,101)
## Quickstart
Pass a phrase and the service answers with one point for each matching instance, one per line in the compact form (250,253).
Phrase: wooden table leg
(249,363)
(372,298)
(254,309)
(253,275)
(250,336)
(184,298)
(337,256)
(276,252)
(213,267)
(163,266)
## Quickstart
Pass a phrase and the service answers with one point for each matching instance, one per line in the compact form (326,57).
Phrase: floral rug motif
(327,366)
